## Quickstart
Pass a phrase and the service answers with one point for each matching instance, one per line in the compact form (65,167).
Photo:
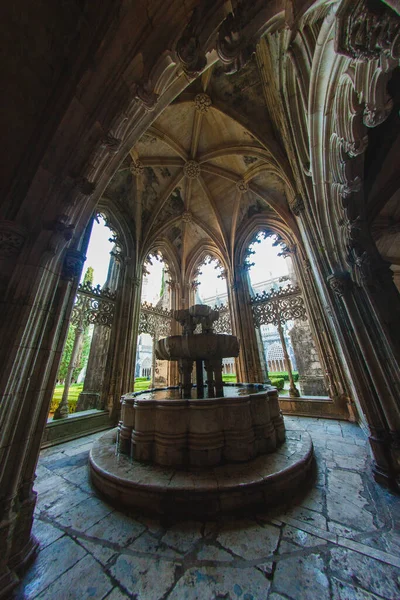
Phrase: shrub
(277,382)
(284,374)
(229,377)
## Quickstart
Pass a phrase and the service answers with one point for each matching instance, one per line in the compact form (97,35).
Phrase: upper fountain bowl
(201,346)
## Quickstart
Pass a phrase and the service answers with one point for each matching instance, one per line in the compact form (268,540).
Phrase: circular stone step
(266,480)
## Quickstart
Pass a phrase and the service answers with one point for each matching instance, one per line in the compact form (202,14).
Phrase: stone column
(250,368)
(379,405)
(33,312)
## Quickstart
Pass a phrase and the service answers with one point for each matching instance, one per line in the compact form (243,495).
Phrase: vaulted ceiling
(209,162)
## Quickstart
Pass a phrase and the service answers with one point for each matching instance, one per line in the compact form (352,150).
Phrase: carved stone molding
(12,238)
(242,186)
(366,30)
(340,283)
(72,265)
(297,206)
(137,168)
(192,169)
(202,102)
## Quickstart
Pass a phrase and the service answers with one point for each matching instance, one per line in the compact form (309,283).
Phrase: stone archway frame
(295,247)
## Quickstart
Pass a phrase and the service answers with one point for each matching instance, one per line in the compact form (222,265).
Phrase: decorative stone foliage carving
(297,206)
(93,306)
(61,234)
(278,306)
(12,238)
(155,321)
(189,48)
(111,143)
(202,102)
(367,29)
(72,266)
(340,283)
(85,186)
(187,216)
(146,95)
(233,47)
(192,169)
(137,168)
(223,323)
(242,186)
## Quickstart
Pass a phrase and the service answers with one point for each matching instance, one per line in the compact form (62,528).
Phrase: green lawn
(73,394)
(142,384)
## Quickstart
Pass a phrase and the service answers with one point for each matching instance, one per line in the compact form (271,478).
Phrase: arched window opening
(83,362)
(154,323)
(211,289)
(287,344)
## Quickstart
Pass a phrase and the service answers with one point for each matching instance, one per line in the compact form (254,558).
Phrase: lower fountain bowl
(264,481)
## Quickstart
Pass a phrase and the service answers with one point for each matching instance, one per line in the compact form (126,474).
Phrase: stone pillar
(33,317)
(185,369)
(311,378)
(90,397)
(378,401)
(199,379)
(250,369)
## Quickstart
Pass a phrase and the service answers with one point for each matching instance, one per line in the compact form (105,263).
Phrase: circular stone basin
(160,427)
(201,346)
(263,481)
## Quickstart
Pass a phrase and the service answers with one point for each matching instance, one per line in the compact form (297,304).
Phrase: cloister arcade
(192,131)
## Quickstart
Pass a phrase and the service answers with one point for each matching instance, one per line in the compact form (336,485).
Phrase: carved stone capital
(297,206)
(202,102)
(72,265)
(366,30)
(12,238)
(340,283)
(242,186)
(192,169)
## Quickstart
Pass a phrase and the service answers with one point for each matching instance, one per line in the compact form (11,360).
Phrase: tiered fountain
(202,455)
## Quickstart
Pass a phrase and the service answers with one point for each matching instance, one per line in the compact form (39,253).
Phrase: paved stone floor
(341,541)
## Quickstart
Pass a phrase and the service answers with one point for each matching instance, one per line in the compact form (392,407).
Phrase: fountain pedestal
(175,453)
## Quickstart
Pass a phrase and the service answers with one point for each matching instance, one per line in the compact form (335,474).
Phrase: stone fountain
(222,450)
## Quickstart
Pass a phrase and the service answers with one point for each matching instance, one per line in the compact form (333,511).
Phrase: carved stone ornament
(202,102)
(12,238)
(192,169)
(340,283)
(189,49)
(233,48)
(137,168)
(242,186)
(62,233)
(72,266)
(366,30)
(85,186)
(187,216)
(144,94)
(297,206)
(111,143)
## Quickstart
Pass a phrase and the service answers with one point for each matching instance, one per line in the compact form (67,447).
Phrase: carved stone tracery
(278,306)
(155,321)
